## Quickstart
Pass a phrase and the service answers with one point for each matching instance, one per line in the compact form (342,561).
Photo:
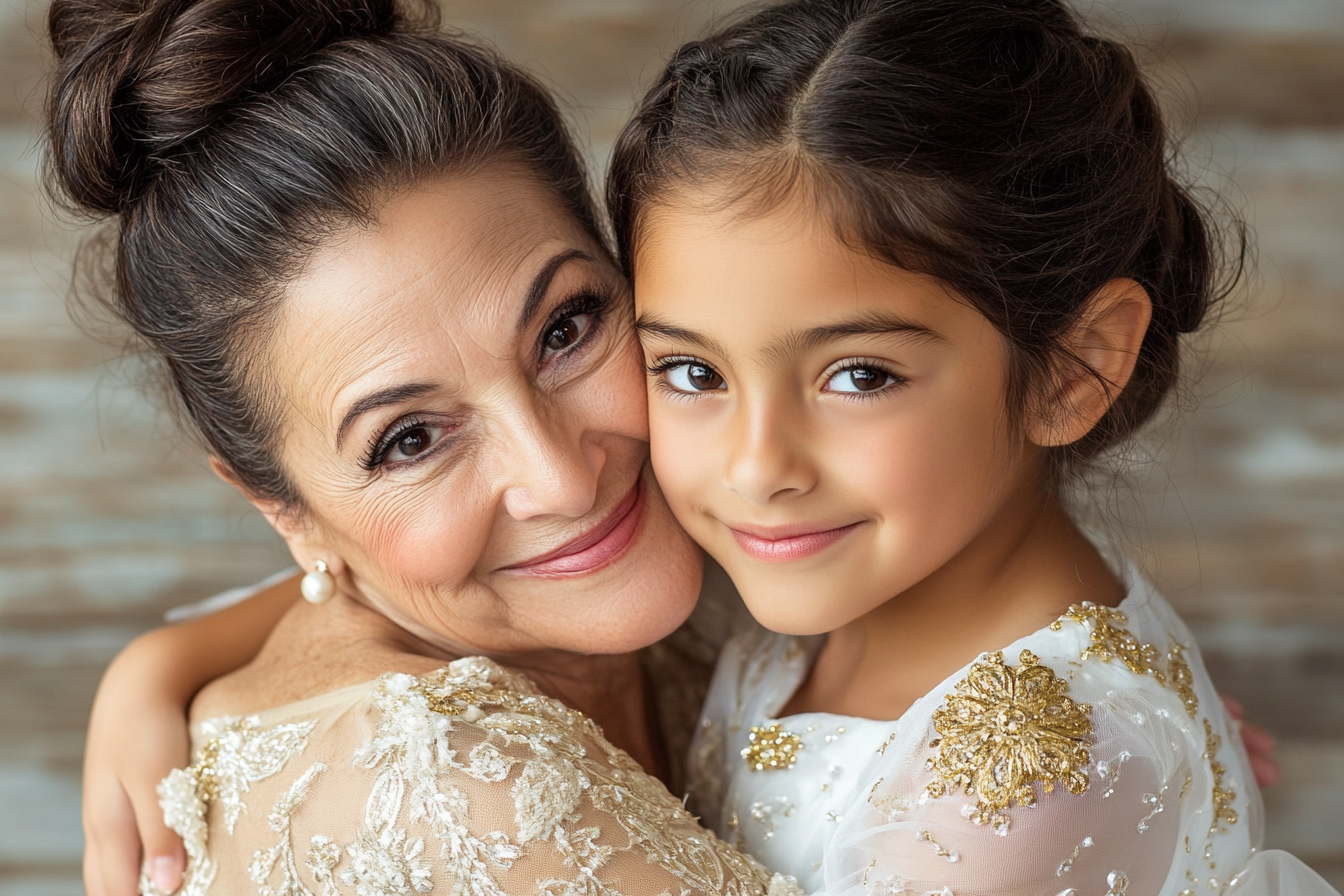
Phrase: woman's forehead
(436,284)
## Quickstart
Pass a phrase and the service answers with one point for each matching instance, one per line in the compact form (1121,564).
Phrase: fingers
(164,855)
(112,846)
(1267,772)
(1260,750)
(1234,707)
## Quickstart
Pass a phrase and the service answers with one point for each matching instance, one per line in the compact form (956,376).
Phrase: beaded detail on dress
(1089,757)
(466,782)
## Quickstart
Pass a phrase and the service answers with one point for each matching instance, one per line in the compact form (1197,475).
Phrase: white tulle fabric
(1167,806)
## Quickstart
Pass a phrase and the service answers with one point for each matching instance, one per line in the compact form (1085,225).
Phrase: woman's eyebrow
(541,284)
(653,326)
(379,399)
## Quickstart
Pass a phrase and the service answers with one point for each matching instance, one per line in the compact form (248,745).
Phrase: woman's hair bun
(135,80)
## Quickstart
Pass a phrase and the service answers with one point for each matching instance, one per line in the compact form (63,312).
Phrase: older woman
(366,257)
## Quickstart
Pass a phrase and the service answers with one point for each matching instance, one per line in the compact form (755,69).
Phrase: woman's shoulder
(467,774)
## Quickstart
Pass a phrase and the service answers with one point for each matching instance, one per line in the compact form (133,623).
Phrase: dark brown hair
(993,144)
(229,137)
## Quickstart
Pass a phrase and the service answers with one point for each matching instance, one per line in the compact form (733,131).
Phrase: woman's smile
(595,549)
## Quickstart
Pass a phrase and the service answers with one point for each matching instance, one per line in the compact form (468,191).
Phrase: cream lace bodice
(467,782)
(1090,758)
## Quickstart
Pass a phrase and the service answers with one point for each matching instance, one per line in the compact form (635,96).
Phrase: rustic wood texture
(108,517)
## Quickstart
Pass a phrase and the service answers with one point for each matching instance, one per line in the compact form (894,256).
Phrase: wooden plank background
(107,517)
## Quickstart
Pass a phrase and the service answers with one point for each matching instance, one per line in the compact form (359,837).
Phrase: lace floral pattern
(466,782)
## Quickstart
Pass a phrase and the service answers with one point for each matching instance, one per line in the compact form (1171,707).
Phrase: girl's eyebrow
(799,340)
(653,326)
(875,324)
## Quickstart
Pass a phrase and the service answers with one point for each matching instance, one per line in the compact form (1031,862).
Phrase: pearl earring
(318,586)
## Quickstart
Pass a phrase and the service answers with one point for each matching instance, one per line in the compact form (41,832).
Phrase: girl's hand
(137,734)
(1259,745)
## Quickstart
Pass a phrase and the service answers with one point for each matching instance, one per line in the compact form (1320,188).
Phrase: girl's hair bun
(136,80)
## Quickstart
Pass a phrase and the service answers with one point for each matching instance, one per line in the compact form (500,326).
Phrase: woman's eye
(413,442)
(694,378)
(860,379)
(566,332)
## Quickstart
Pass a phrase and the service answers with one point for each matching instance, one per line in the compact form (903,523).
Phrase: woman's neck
(1020,574)
(314,650)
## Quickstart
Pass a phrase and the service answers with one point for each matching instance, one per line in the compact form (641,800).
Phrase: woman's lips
(785,544)
(594,549)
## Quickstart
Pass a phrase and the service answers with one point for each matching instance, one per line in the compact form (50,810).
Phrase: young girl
(901,268)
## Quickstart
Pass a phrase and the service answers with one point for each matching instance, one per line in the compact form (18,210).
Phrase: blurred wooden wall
(107,517)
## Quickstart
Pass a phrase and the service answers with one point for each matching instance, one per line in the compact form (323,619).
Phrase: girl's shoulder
(1093,753)
(465,777)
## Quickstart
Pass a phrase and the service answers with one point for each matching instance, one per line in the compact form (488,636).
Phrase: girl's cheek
(681,461)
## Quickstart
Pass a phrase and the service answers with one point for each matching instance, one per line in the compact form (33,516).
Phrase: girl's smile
(784,543)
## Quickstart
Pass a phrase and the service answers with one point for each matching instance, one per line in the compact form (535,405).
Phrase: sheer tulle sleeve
(466,782)
(1031,779)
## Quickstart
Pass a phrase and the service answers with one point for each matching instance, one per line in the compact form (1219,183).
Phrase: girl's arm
(138,733)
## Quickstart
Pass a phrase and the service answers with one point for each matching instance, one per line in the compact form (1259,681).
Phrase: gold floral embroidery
(1109,641)
(1223,797)
(1182,679)
(771,749)
(1005,730)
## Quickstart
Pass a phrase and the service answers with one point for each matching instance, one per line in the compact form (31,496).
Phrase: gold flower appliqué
(771,748)
(1005,730)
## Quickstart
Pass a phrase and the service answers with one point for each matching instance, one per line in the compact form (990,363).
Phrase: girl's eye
(694,377)
(858,380)
(566,332)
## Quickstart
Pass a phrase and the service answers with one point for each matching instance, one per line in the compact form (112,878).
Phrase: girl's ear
(1104,347)
(304,540)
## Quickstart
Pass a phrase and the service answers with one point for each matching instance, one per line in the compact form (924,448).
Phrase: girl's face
(464,413)
(830,428)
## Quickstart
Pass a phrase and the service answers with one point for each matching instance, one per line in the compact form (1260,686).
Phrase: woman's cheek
(422,539)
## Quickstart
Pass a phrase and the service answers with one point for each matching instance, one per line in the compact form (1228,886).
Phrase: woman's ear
(1103,347)
(302,538)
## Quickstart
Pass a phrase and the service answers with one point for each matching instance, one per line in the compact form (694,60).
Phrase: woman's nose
(550,470)
(767,461)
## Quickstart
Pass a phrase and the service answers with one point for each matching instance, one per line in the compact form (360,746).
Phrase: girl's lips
(783,545)
(594,549)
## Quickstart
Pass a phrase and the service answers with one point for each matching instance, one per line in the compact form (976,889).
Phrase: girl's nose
(766,461)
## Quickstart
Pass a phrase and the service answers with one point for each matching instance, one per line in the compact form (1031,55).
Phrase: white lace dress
(467,782)
(1090,758)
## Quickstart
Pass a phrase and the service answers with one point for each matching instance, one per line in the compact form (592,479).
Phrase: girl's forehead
(774,269)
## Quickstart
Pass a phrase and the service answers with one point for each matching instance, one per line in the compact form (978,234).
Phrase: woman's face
(464,414)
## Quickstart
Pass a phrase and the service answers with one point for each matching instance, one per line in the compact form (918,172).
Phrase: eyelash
(897,380)
(380,445)
(589,300)
(662,365)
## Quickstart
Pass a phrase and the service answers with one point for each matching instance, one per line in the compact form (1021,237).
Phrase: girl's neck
(1017,576)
